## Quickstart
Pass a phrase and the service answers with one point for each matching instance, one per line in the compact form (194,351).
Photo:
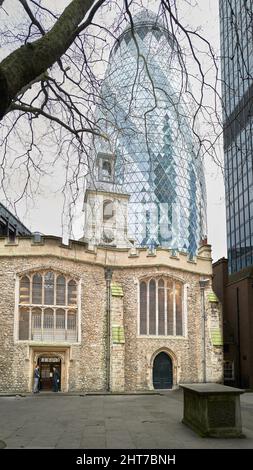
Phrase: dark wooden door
(46,373)
(45,376)
(162,371)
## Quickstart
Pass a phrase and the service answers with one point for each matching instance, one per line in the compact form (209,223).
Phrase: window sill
(181,338)
(47,343)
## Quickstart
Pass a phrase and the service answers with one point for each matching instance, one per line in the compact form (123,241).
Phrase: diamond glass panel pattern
(147,119)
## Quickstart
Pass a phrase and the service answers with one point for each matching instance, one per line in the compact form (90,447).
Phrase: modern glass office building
(236,21)
(146,114)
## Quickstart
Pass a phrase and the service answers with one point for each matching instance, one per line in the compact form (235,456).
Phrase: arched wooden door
(162,371)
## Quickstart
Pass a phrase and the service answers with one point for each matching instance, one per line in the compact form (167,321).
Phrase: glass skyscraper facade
(236,22)
(146,114)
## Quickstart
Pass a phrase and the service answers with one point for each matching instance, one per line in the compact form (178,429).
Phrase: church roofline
(118,258)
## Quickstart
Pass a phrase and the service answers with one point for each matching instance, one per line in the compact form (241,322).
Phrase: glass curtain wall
(145,113)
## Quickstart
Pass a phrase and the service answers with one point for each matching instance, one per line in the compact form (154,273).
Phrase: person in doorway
(36,379)
(56,380)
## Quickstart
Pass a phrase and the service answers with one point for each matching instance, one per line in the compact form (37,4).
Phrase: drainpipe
(203,283)
(238,337)
(108,278)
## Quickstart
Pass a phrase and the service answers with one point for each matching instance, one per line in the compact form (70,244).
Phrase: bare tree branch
(23,65)
(39,111)
(31,15)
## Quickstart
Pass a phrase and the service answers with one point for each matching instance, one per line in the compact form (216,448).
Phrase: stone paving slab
(108,421)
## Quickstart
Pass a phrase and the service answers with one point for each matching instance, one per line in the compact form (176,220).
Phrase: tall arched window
(24,290)
(170,307)
(161,307)
(152,307)
(60,290)
(143,308)
(40,318)
(49,288)
(37,289)
(179,308)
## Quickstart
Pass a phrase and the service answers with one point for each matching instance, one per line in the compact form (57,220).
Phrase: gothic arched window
(161,307)
(40,318)
(24,290)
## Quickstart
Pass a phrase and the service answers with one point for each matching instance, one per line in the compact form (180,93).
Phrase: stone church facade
(115,319)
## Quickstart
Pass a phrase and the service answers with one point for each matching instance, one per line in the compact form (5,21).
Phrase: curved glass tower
(145,114)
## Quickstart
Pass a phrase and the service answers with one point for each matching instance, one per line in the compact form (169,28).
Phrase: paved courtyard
(108,421)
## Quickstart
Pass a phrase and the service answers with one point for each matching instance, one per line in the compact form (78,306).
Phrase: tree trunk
(25,64)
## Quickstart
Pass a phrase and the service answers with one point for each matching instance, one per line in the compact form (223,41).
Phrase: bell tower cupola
(105,206)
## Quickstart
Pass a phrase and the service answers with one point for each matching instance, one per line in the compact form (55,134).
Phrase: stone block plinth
(212,410)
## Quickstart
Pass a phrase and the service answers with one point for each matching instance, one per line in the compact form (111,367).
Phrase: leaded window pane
(152,307)
(179,297)
(72,293)
(71,326)
(143,308)
(60,319)
(49,288)
(161,300)
(37,289)
(48,318)
(170,313)
(24,290)
(23,323)
(60,290)
(60,333)
(36,324)
(36,318)
(71,320)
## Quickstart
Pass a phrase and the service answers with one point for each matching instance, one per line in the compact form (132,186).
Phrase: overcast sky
(45,211)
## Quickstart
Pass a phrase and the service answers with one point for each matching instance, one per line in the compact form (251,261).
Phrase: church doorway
(46,365)
(162,371)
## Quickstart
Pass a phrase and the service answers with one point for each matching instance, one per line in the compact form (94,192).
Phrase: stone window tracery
(48,307)
(161,311)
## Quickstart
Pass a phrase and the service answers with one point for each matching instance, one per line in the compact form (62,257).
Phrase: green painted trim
(116,290)
(118,335)
(212,297)
(216,337)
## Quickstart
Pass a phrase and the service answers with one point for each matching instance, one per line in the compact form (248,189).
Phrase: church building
(130,306)
(110,316)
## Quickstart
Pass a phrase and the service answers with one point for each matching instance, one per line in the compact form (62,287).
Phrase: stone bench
(212,410)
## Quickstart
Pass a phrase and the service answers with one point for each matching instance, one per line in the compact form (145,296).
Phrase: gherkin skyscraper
(145,113)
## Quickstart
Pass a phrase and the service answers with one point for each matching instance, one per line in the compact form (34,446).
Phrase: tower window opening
(108,210)
(106,169)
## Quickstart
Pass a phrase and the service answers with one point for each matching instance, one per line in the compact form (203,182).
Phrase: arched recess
(162,371)
(64,358)
(174,368)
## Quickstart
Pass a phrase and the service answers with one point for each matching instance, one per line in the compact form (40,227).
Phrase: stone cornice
(99,256)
